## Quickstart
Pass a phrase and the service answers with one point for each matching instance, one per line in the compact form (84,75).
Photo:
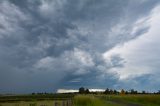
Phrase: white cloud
(10,19)
(141,54)
(83,57)
(51,9)
(75,61)
(46,62)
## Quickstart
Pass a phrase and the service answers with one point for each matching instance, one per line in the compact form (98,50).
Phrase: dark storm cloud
(144,82)
(46,44)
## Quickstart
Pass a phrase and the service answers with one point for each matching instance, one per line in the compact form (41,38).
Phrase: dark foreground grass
(38,97)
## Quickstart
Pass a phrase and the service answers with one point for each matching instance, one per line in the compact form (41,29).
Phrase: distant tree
(115,92)
(110,91)
(122,92)
(106,91)
(126,92)
(81,90)
(133,91)
(158,92)
(87,91)
(143,92)
(136,92)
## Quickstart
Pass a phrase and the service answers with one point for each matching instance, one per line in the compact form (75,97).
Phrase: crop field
(82,100)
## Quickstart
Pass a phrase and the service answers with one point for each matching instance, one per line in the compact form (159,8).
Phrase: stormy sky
(46,45)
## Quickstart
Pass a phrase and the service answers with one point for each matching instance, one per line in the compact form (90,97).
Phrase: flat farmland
(81,100)
(117,100)
(37,100)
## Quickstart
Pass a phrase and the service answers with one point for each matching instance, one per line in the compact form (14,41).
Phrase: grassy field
(90,100)
(117,100)
(37,100)
(31,103)
(144,100)
(35,97)
(81,100)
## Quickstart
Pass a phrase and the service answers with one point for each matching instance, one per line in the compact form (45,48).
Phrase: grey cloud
(144,82)
(32,32)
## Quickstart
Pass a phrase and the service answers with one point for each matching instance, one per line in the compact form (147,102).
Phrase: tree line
(82,90)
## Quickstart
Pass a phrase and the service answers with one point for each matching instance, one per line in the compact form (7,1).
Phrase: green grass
(32,103)
(146,100)
(143,100)
(90,100)
(117,100)
(36,97)
(36,100)
(82,100)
